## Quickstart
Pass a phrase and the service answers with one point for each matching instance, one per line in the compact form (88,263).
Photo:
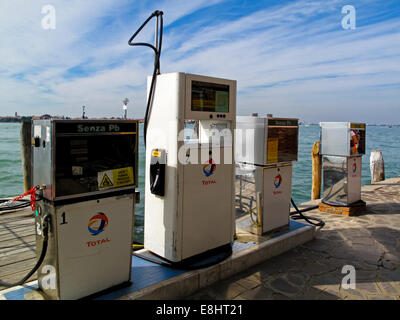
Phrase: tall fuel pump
(87,170)
(188,133)
(265,150)
(342,148)
(189,191)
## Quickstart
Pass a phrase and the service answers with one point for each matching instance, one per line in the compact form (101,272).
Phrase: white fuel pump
(189,191)
(265,150)
(342,147)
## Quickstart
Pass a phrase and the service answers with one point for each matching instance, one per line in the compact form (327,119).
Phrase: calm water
(383,138)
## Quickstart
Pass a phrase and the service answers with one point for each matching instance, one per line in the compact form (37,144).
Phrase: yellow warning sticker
(272,150)
(115,178)
(156,153)
(106,182)
(123,176)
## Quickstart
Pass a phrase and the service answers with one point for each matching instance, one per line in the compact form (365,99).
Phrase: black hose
(45,230)
(19,204)
(156,70)
(299,215)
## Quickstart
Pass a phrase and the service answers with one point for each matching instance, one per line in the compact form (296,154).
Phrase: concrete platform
(370,242)
(153,281)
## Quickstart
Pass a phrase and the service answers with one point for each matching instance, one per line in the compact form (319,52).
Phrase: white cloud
(291,60)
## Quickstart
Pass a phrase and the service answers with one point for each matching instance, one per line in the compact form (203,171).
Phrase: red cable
(31,192)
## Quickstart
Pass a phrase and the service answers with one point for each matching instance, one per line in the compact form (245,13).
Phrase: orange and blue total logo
(209,168)
(277,181)
(97,223)
(354,167)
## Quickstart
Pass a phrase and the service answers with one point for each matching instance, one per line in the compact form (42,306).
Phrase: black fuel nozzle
(45,226)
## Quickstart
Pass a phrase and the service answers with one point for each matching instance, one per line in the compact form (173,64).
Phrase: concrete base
(192,281)
(152,281)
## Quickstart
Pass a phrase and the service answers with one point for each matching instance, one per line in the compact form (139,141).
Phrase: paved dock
(370,242)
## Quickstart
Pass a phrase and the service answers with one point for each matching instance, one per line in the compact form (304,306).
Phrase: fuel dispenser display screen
(89,164)
(266,141)
(282,140)
(357,141)
(210,97)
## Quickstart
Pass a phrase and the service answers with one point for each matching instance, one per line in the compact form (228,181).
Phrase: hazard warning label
(115,178)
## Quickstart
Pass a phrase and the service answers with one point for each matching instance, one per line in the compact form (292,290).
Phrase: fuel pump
(189,191)
(342,148)
(265,150)
(87,170)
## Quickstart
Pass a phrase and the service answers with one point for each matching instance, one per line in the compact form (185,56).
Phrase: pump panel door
(94,245)
(277,186)
(207,206)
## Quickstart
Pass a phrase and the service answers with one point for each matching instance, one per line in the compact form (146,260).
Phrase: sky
(289,58)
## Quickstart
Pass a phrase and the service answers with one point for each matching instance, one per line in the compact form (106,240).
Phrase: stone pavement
(370,242)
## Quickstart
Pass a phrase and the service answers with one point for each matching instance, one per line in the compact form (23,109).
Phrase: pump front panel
(354,173)
(277,191)
(94,243)
(207,205)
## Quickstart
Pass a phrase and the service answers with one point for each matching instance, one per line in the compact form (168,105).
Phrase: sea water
(383,138)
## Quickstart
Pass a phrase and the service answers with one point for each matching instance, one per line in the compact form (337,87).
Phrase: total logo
(354,169)
(277,184)
(97,224)
(208,170)
(278,181)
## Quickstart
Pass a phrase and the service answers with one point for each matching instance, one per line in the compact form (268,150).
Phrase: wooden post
(26,154)
(377,166)
(316,172)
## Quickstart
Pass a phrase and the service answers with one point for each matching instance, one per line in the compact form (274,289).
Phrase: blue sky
(290,58)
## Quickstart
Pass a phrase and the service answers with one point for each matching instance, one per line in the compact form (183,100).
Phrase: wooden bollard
(26,154)
(316,172)
(377,166)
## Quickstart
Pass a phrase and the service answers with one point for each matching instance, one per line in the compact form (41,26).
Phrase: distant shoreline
(27,119)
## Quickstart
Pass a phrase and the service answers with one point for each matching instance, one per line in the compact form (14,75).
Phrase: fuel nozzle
(46,219)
